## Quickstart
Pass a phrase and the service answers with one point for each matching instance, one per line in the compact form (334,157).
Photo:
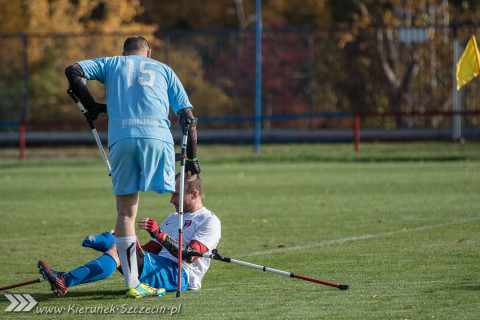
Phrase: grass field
(399,223)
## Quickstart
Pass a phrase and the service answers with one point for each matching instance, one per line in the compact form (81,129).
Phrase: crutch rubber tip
(343,286)
(179,294)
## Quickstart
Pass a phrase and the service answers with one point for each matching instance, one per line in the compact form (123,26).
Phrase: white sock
(127,252)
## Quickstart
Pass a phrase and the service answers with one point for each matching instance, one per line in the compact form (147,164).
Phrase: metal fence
(312,79)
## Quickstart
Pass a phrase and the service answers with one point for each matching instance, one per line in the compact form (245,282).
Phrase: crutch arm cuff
(189,126)
(78,84)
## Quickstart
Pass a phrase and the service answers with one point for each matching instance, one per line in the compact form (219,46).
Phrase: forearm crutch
(183,155)
(94,130)
(22,284)
(218,256)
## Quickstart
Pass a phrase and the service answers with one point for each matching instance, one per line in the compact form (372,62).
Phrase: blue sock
(94,270)
(100,242)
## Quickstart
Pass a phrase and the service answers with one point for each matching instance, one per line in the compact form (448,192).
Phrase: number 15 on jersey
(147,77)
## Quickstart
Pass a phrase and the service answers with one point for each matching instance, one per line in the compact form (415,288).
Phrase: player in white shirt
(158,269)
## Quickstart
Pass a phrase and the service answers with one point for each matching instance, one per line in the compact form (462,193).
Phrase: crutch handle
(187,123)
(179,157)
(217,255)
(81,107)
(71,94)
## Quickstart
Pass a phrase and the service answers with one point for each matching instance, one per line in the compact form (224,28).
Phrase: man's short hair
(191,183)
(134,44)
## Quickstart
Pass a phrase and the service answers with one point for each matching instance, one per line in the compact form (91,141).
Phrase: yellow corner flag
(469,64)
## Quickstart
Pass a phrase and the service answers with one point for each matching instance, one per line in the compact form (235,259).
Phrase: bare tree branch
(240,14)
(387,68)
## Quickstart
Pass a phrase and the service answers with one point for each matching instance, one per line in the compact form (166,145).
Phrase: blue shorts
(160,272)
(142,165)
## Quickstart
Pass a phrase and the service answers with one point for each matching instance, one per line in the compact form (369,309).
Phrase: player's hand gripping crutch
(186,125)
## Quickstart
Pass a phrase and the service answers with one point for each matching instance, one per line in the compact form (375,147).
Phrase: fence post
(258,75)
(22,143)
(310,76)
(167,48)
(26,87)
(457,98)
(356,131)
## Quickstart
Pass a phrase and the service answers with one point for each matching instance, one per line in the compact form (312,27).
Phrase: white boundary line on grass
(41,237)
(315,244)
(364,237)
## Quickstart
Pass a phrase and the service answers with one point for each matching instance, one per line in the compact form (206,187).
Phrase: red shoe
(56,279)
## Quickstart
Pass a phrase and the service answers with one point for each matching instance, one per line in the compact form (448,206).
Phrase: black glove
(191,165)
(94,111)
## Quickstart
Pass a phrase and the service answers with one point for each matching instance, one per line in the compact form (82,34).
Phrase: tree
(377,29)
(50,49)
(208,99)
(187,14)
(313,13)
(284,67)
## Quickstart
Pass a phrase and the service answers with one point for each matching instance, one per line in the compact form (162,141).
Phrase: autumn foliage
(357,61)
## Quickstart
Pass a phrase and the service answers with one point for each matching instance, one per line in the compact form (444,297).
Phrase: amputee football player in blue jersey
(140,91)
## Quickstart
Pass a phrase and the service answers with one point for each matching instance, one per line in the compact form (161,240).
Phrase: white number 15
(143,70)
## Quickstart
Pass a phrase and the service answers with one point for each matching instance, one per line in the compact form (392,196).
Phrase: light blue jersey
(140,91)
